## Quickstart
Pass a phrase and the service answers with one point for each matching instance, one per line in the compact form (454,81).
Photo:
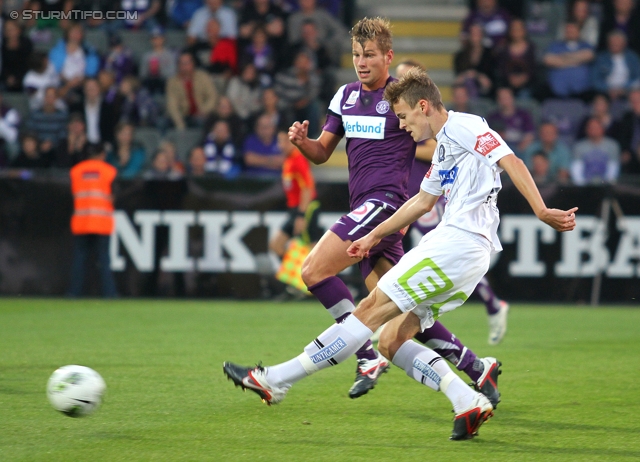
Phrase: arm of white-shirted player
(560,220)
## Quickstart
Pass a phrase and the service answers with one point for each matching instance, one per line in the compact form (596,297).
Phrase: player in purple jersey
(380,157)
(497,309)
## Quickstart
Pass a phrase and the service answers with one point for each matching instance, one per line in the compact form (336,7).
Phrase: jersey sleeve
(431,181)
(333,123)
(475,135)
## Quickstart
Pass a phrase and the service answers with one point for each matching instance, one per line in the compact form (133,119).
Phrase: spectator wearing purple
(212,9)
(494,21)
(16,48)
(137,106)
(568,63)
(144,12)
(596,159)
(474,64)
(617,69)
(514,124)
(517,61)
(119,59)
(262,156)
(220,151)
(158,65)
(263,14)
(9,123)
(262,54)
(627,133)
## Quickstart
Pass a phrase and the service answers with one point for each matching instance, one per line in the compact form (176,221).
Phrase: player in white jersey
(441,272)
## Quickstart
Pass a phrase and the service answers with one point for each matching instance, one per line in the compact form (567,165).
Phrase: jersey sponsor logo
(441,152)
(351,100)
(361,212)
(448,176)
(329,351)
(367,127)
(486,143)
(382,107)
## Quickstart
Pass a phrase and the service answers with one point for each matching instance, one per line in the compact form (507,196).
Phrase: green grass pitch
(569,387)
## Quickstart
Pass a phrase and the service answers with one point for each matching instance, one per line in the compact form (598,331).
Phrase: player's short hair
(412,87)
(376,30)
(412,63)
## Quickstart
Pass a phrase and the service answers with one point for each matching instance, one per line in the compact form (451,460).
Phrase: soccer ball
(75,391)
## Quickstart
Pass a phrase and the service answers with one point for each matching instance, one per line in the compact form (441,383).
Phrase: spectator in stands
(180,12)
(136,105)
(568,61)
(557,154)
(100,117)
(16,49)
(474,65)
(161,168)
(94,21)
(244,91)
(270,106)
(158,65)
(191,95)
(42,75)
(169,149)
(516,61)
(119,59)
(493,19)
(70,150)
(74,61)
(30,156)
(321,57)
(587,22)
(624,16)
(298,88)
(460,102)
(220,151)
(627,133)
(617,69)
(197,162)
(596,159)
(261,54)
(217,55)
(224,111)
(540,168)
(262,156)
(9,123)
(109,89)
(330,32)
(519,129)
(48,123)
(144,10)
(126,155)
(601,109)
(266,15)
(212,9)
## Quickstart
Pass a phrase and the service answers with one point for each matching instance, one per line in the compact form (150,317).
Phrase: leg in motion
(497,311)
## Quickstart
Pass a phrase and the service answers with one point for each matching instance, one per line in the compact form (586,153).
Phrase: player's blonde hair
(412,87)
(376,30)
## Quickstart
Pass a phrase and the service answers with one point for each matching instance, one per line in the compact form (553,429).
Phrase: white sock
(331,347)
(430,369)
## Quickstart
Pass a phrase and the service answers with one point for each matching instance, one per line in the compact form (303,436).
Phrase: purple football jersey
(380,154)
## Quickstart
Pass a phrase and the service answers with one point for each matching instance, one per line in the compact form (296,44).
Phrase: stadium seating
(184,140)
(566,115)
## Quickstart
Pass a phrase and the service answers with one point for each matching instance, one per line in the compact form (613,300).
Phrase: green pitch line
(569,387)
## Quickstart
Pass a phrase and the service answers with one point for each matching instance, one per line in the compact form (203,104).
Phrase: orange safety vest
(92,202)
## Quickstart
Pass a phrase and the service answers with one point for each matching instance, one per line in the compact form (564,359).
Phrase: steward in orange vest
(92,222)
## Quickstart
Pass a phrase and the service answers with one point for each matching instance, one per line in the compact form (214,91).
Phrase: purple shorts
(360,222)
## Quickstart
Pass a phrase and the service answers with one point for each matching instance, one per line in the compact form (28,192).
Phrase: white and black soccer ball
(75,391)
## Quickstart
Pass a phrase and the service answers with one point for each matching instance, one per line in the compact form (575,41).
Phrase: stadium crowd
(199,87)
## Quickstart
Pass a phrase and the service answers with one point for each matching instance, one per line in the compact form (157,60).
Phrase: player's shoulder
(463,122)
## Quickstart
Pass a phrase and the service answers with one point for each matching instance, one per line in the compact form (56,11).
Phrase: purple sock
(443,342)
(485,292)
(336,298)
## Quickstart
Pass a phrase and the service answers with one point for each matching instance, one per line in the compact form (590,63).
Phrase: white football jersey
(464,170)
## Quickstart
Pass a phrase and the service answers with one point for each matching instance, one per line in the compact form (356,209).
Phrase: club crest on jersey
(441,153)
(448,176)
(382,107)
(351,100)
(486,143)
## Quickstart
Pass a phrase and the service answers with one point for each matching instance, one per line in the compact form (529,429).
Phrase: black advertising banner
(208,238)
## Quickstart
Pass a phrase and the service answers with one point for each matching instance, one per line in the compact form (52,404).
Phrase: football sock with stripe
(429,368)
(336,297)
(331,347)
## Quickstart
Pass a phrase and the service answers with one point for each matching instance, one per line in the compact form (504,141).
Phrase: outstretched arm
(410,211)
(560,220)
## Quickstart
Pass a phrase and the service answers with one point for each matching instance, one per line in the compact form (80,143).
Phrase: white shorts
(439,274)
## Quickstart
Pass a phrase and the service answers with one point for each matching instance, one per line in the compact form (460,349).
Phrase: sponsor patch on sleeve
(428,175)
(486,143)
